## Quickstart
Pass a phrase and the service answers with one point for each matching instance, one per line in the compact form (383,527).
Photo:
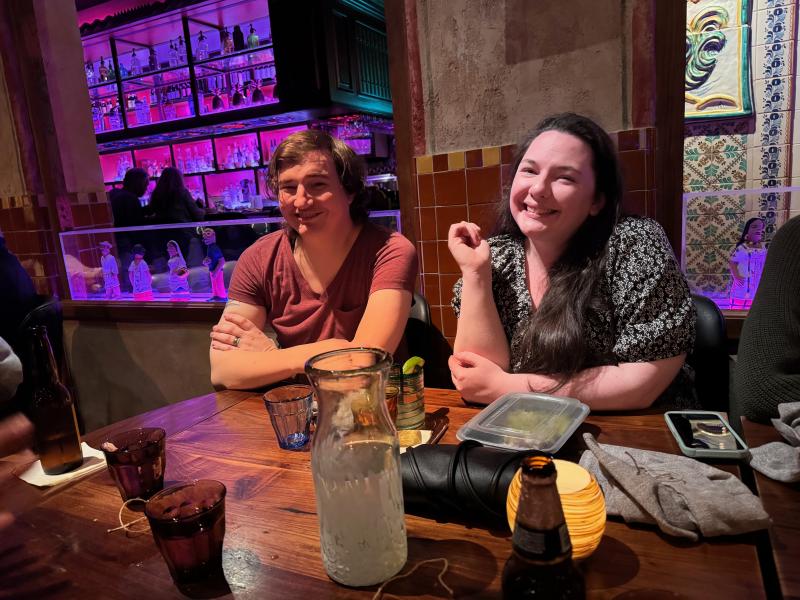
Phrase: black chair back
(709,359)
(424,340)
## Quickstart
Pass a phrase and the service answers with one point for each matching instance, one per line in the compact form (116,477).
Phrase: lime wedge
(411,365)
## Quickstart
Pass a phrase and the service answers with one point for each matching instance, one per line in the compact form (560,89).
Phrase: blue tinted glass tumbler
(289,409)
(355,462)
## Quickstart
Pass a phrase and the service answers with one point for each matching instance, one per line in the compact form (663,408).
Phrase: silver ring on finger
(236,341)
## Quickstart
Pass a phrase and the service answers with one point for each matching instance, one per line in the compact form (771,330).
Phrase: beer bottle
(540,565)
(51,408)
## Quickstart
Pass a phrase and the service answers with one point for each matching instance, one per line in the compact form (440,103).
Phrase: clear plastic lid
(526,421)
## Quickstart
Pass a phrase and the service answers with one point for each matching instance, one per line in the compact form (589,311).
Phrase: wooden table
(272,541)
(782,503)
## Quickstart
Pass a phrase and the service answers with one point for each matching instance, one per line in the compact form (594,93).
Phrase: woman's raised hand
(468,248)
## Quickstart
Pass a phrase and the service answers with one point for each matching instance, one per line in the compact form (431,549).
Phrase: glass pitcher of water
(355,462)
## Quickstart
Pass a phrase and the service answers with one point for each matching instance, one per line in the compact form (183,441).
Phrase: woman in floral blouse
(570,298)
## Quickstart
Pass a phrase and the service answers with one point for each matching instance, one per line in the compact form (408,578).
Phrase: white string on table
(379,594)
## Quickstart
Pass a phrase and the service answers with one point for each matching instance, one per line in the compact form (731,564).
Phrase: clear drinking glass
(355,462)
(289,408)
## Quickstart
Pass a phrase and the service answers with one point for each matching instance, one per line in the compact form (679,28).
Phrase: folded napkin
(684,497)
(93,460)
(466,482)
(777,460)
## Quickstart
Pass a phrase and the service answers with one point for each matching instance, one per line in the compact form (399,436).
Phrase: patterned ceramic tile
(707,258)
(778,24)
(772,129)
(773,94)
(713,162)
(711,283)
(761,4)
(767,163)
(773,60)
(724,203)
(716,228)
(725,143)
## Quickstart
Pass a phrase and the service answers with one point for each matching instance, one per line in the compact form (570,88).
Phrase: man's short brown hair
(349,167)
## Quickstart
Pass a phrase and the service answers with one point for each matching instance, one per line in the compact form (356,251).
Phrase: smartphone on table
(705,434)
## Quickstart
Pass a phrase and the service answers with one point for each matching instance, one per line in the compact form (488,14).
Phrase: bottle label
(542,544)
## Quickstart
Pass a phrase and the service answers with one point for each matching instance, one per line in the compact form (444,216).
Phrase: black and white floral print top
(648,312)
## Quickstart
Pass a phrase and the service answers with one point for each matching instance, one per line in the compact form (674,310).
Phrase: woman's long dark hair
(554,341)
(168,190)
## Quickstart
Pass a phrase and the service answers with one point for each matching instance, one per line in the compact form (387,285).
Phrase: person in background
(17,294)
(139,275)
(747,263)
(171,202)
(330,280)
(125,204)
(570,298)
(16,432)
(768,364)
(215,262)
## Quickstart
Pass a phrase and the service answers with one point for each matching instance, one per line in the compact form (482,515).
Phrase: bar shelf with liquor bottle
(194,157)
(237,151)
(153,160)
(224,85)
(272,137)
(165,96)
(234,191)
(194,183)
(115,165)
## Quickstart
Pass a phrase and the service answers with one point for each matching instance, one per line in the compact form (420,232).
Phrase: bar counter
(272,542)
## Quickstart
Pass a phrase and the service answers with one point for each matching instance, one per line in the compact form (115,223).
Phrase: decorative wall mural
(717,82)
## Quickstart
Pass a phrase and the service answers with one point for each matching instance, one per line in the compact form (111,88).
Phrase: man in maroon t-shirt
(329,280)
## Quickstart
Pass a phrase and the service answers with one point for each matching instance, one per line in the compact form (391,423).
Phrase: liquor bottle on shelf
(91,78)
(227,41)
(238,38)
(253,159)
(97,117)
(114,118)
(135,67)
(173,55)
(181,51)
(152,60)
(142,111)
(51,408)
(202,47)
(103,70)
(252,38)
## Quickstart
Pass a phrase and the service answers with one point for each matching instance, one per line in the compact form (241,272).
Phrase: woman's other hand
(233,326)
(477,378)
(468,248)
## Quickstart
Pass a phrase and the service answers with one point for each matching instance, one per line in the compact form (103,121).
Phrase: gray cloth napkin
(684,497)
(777,460)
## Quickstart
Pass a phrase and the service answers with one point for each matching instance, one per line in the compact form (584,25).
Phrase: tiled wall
(32,236)
(759,152)
(467,185)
